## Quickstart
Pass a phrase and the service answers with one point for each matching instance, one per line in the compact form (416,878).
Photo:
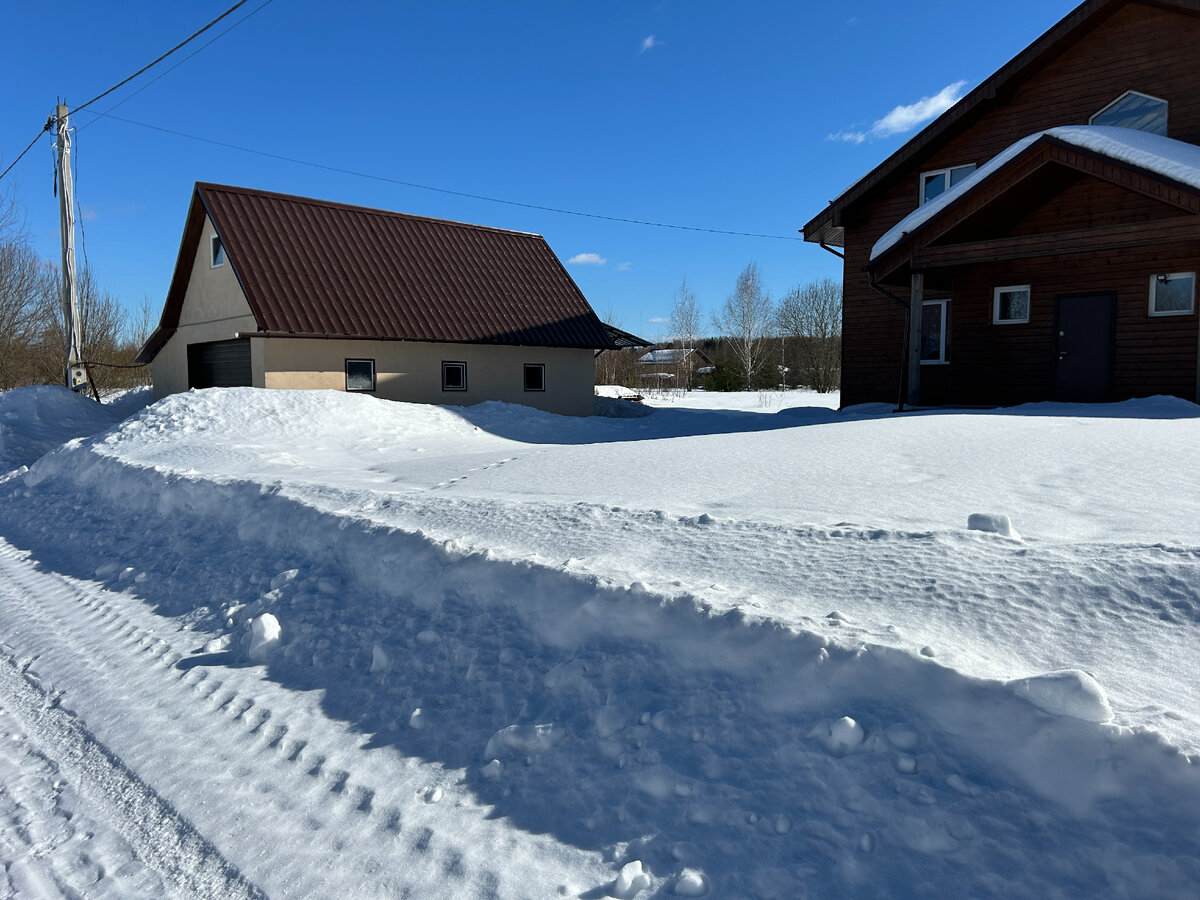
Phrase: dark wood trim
(1114,237)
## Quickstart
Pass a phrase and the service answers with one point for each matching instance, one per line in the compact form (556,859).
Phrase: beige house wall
(214,309)
(412,371)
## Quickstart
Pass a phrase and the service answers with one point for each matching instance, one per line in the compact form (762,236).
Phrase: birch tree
(744,319)
(810,315)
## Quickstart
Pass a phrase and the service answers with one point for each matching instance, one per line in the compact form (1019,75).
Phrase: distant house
(278,291)
(1040,240)
(671,366)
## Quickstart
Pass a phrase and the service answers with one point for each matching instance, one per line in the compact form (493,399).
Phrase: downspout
(907,321)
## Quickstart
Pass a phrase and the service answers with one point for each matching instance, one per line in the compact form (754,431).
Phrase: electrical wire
(441,190)
(45,128)
(164,56)
(168,71)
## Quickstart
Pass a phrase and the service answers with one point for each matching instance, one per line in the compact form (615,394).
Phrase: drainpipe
(907,306)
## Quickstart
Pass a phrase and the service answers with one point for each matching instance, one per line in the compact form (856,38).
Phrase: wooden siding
(1015,363)
(1140,47)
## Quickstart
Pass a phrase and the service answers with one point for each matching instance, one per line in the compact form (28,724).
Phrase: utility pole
(76,373)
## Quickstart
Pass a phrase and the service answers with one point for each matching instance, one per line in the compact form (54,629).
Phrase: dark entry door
(1085,347)
(219,364)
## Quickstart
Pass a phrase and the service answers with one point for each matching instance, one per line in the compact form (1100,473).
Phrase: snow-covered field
(311,644)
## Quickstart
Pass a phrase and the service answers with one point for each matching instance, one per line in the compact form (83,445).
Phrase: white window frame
(1011,289)
(921,201)
(216,251)
(525,377)
(1154,282)
(1111,104)
(366,390)
(448,364)
(945,305)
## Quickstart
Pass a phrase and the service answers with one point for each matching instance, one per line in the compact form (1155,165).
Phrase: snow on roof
(1163,156)
(665,357)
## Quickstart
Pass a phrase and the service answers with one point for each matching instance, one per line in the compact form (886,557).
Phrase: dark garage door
(219,364)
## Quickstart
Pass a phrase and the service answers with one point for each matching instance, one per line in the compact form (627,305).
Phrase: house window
(360,374)
(218,252)
(454,376)
(933,331)
(1134,110)
(939,180)
(1173,295)
(1010,305)
(535,376)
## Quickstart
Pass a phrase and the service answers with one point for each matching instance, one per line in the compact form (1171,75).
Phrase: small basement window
(454,376)
(535,376)
(1010,305)
(1134,110)
(1173,295)
(360,374)
(941,180)
(933,332)
(218,251)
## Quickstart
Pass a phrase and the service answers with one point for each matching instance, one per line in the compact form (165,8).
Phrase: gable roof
(313,268)
(826,226)
(1167,159)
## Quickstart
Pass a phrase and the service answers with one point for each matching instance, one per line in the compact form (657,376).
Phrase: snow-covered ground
(259,643)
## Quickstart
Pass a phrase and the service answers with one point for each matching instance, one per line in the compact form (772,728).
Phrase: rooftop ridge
(203,186)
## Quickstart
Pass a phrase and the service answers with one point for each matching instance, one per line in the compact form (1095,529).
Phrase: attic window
(939,180)
(218,252)
(454,376)
(1134,110)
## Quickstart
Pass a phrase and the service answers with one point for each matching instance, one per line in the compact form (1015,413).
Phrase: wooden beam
(916,303)
(1035,246)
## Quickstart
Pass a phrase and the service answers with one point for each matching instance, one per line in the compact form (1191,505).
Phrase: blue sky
(744,117)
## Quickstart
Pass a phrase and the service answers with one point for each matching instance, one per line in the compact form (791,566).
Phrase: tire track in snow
(162,838)
(274,749)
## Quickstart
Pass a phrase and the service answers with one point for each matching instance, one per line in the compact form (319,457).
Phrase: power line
(45,128)
(77,109)
(164,56)
(168,71)
(441,190)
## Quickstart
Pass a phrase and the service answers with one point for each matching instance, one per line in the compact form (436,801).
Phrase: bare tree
(744,319)
(685,330)
(102,326)
(811,316)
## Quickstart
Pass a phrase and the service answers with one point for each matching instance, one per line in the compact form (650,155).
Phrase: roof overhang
(952,230)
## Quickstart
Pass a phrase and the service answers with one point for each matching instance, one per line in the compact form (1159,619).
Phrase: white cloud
(586,259)
(658,320)
(88,213)
(624,267)
(649,43)
(903,119)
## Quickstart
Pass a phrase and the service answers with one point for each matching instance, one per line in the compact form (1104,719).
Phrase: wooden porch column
(916,300)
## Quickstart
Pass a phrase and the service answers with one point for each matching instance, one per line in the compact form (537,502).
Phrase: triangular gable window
(1134,110)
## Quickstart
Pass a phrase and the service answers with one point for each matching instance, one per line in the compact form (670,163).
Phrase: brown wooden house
(1044,232)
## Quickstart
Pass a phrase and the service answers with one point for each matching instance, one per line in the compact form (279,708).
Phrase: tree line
(752,342)
(33,318)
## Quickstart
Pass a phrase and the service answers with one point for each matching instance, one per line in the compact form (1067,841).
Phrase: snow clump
(264,635)
(1067,693)
(633,877)
(994,523)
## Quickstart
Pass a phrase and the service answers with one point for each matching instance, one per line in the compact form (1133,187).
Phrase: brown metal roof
(826,226)
(314,268)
